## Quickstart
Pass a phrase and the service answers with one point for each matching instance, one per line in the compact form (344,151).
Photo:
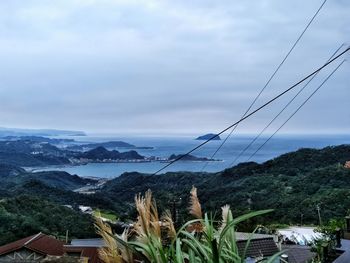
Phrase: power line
(295,112)
(267,83)
(253,112)
(283,109)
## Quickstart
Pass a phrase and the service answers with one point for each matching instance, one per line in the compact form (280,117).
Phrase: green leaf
(179,256)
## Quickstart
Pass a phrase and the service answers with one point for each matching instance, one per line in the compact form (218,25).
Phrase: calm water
(164,147)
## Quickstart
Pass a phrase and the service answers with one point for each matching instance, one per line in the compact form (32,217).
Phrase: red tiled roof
(39,243)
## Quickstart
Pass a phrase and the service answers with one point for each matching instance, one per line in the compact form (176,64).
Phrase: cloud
(127,65)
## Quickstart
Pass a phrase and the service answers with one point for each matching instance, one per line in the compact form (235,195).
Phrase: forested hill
(293,184)
(12,176)
(25,215)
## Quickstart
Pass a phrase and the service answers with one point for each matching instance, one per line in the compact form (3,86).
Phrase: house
(86,209)
(260,245)
(264,246)
(299,235)
(31,249)
(44,248)
(85,249)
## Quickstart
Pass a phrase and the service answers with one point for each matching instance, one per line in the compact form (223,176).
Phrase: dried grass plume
(195,207)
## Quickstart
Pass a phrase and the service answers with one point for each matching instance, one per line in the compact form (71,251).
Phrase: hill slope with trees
(292,184)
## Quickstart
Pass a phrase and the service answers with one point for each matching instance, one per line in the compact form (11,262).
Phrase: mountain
(38,132)
(58,179)
(33,152)
(292,184)
(10,170)
(31,160)
(12,176)
(109,145)
(37,139)
(26,153)
(28,147)
(55,186)
(100,153)
(34,202)
(209,136)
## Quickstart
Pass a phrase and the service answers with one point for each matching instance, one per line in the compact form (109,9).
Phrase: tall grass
(154,239)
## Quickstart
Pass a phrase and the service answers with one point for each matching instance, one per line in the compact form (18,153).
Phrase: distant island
(190,157)
(101,154)
(209,136)
(38,139)
(108,145)
(38,132)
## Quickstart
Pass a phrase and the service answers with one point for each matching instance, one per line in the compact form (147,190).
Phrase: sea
(165,146)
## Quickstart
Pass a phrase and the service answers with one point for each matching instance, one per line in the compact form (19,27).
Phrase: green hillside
(25,215)
(292,184)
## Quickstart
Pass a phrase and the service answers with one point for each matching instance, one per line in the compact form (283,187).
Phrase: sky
(168,67)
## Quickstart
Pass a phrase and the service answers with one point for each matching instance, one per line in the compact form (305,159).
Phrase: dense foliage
(292,184)
(26,215)
(12,176)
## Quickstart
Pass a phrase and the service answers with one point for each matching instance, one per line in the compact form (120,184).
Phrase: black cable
(267,83)
(253,112)
(283,109)
(295,112)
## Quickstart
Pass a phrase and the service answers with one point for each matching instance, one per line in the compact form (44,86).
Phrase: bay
(165,146)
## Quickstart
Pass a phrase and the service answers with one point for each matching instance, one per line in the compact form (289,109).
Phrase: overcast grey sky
(149,66)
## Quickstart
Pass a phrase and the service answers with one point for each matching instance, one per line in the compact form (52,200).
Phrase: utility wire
(267,83)
(254,111)
(295,112)
(283,109)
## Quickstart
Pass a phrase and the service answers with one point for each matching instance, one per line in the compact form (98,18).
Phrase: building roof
(299,235)
(343,258)
(298,254)
(345,247)
(40,243)
(265,247)
(87,248)
(91,242)
(86,252)
(246,236)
